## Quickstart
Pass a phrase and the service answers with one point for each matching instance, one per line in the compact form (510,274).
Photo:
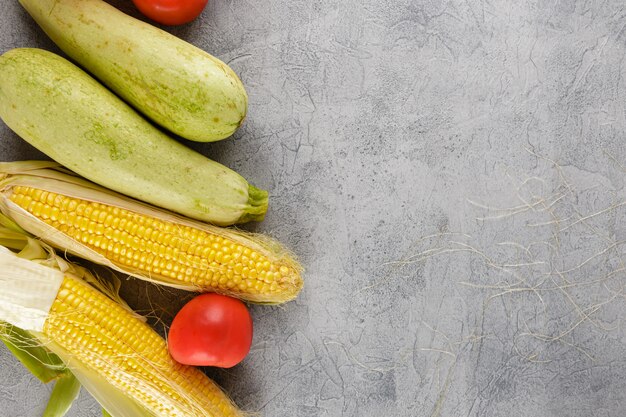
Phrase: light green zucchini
(178,86)
(69,116)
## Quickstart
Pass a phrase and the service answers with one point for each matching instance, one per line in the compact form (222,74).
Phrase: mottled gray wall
(451,174)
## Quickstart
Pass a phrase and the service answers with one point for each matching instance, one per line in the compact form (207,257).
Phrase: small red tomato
(171,12)
(211,330)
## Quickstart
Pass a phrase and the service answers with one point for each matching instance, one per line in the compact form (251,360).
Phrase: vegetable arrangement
(61,321)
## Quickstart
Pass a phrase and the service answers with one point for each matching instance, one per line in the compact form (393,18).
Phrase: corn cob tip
(287,277)
(289,283)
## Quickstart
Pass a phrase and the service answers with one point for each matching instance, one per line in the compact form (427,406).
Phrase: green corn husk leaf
(47,176)
(12,236)
(43,364)
(63,395)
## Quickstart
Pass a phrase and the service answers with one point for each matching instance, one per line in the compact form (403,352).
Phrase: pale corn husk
(54,178)
(28,290)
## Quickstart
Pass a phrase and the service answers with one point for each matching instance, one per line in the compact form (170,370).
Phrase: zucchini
(69,116)
(176,85)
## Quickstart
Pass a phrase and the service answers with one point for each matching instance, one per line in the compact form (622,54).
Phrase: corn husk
(28,290)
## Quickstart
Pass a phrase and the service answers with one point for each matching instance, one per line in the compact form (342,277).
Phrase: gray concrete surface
(451,174)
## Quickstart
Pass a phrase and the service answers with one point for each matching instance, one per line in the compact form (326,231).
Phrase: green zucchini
(69,116)
(176,85)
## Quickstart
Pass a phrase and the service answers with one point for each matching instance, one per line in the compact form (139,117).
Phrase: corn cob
(142,241)
(100,333)
(120,359)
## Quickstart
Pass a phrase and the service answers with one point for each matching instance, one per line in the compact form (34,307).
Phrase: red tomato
(211,330)
(171,12)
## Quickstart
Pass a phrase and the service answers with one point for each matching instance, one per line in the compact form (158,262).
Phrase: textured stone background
(451,174)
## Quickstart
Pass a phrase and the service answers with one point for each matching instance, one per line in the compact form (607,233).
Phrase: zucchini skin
(177,85)
(69,116)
